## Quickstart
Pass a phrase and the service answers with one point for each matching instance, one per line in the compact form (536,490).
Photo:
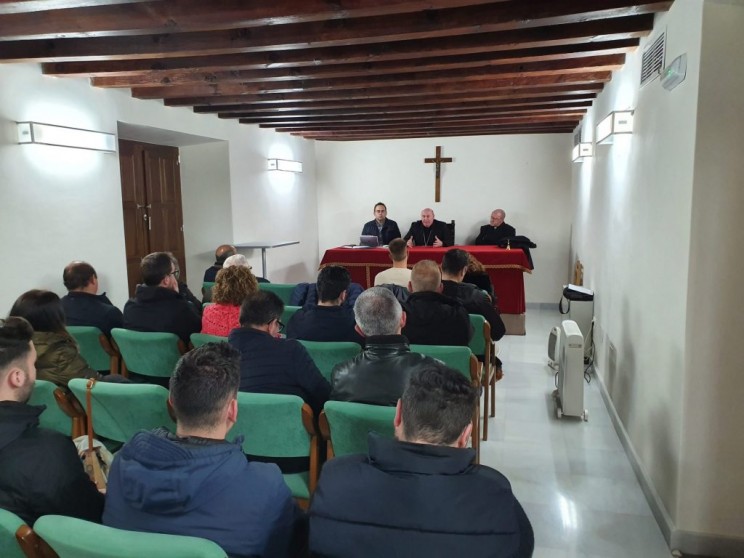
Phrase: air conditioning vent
(653,59)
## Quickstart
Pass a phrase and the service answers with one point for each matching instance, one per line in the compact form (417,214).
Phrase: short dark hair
(437,405)
(156,267)
(454,261)
(260,308)
(202,383)
(380,203)
(15,334)
(42,309)
(77,275)
(332,281)
(398,249)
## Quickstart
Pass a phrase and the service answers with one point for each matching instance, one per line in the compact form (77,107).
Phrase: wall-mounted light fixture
(582,151)
(63,136)
(616,123)
(285,165)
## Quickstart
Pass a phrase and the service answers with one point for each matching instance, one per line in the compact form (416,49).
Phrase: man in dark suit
(428,231)
(383,228)
(496,229)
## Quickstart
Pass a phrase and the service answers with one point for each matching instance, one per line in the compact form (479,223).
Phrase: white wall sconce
(63,136)
(582,151)
(616,123)
(285,165)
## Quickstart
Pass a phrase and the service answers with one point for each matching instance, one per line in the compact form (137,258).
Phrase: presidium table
(506,269)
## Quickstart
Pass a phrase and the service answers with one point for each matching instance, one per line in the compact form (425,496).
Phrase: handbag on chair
(93,461)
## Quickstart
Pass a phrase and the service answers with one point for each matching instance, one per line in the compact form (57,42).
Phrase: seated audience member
(475,301)
(383,228)
(223,252)
(496,229)
(269,364)
(233,285)
(194,482)
(420,495)
(434,319)
(157,305)
(378,375)
(399,274)
(428,231)
(183,288)
(40,470)
(82,305)
(330,319)
(478,276)
(240,259)
(58,359)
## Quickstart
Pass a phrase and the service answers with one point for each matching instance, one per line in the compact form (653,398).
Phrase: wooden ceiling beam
(501,16)
(474,67)
(441,132)
(449,134)
(36,6)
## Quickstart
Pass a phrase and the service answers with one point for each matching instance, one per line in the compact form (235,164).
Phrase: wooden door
(151,202)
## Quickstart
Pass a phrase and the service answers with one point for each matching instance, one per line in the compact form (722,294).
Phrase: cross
(438,160)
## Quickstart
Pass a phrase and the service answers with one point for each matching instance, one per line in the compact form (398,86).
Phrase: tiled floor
(573,477)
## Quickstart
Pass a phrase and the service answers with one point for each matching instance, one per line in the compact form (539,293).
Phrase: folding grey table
(263,245)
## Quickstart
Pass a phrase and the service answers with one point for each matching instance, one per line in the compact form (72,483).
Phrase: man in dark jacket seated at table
(82,304)
(269,364)
(195,482)
(157,305)
(475,301)
(330,319)
(428,231)
(378,375)
(434,319)
(383,228)
(420,495)
(40,470)
(496,229)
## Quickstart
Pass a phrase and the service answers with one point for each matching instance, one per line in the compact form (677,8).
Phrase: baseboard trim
(687,543)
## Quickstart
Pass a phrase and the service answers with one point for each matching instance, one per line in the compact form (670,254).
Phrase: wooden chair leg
(493,395)
(485,385)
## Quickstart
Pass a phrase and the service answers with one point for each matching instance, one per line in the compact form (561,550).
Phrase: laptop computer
(369,240)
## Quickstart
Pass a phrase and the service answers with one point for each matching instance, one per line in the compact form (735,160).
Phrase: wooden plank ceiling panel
(343,70)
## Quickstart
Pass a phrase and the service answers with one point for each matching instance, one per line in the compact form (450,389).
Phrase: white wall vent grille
(653,59)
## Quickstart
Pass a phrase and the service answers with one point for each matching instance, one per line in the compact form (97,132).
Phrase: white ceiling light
(63,136)
(285,165)
(616,123)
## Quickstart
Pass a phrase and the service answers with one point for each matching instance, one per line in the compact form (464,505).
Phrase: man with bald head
(428,231)
(223,252)
(434,319)
(82,304)
(496,229)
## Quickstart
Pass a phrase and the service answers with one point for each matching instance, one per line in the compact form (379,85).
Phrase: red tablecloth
(505,268)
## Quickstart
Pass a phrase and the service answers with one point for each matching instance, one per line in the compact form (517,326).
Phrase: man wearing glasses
(269,363)
(157,304)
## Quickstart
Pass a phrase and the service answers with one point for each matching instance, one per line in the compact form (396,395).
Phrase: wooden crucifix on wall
(438,160)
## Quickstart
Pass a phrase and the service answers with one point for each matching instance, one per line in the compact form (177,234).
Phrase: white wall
(60,204)
(527,175)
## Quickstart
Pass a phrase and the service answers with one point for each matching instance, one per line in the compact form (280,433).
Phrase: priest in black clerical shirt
(496,229)
(428,231)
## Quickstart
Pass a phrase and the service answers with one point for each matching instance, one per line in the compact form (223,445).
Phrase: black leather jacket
(379,374)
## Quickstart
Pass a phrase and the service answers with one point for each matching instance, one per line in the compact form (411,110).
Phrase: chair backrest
(327,354)
(148,353)
(282,290)
(456,357)
(53,417)
(91,348)
(199,339)
(281,426)
(346,425)
(121,410)
(207,287)
(451,233)
(75,538)
(480,343)
(9,524)
(289,312)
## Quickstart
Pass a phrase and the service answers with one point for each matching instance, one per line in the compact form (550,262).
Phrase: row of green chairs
(58,536)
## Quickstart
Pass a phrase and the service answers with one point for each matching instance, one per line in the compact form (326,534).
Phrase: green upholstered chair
(207,287)
(70,537)
(326,354)
(483,347)
(282,290)
(289,312)
(62,413)
(95,348)
(121,410)
(276,425)
(462,359)
(344,426)
(10,523)
(199,339)
(148,353)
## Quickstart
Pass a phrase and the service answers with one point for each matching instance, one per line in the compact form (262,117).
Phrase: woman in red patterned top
(231,286)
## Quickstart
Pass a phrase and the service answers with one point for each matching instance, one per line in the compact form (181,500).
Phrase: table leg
(263,263)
